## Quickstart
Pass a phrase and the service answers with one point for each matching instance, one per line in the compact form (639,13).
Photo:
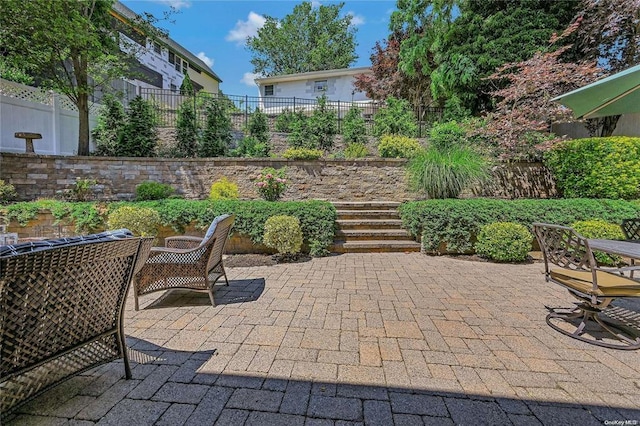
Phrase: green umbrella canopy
(613,95)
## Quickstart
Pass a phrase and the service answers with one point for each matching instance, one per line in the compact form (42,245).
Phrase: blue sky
(215,30)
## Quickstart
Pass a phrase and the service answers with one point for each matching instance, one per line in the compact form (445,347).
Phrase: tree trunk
(83,129)
(609,125)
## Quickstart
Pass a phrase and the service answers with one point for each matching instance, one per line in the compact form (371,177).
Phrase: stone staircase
(371,226)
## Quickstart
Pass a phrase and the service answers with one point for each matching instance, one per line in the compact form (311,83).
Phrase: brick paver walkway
(375,339)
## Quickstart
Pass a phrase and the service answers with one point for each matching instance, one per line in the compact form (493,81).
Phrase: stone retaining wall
(369,179)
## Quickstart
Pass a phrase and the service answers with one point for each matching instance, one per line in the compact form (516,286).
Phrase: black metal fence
(168,102)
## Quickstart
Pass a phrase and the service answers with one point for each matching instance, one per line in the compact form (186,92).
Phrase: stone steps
(371,226)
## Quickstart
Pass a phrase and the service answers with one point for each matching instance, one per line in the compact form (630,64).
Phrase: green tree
(108,132)
(308,39)
(140,135)
(216,136)
(354,129)
(322,125)
(70,46)
(258,126)
(186,130)
(459,50)
(396,118)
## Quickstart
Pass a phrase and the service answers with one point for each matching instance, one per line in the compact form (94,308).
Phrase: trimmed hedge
(457,222)
(317,218)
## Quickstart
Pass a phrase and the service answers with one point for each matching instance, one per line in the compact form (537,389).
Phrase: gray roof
(124,11)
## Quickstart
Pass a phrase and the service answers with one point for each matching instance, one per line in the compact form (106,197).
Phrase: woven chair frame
(185,263)
(564,247)
(631,229)
(61,313)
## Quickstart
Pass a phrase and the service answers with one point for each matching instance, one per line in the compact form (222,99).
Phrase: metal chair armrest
(182,242)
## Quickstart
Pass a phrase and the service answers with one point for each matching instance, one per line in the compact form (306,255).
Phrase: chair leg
(586,313)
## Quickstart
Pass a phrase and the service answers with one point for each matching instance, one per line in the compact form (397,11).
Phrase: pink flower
(260,184)
(269,176)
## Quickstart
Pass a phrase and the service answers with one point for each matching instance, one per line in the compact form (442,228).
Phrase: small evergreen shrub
(223,189)
(142,221)
(216,136)
(597,167)
(356,150)
(283,233)
(110,128)
(82,189)
(284,121)
(186,130)
(396,118)
(445,136)
(601,229)
(271,183)
(298,134)
(258,126)
(504,242)
(150,190)
(7,192)
(322,125)
(354,130)
(302,154)
(249,146)
(394,146)
(140,135)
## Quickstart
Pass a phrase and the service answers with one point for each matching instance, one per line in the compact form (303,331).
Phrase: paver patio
(378,339)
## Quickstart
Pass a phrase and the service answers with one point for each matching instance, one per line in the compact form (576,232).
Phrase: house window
(174,88)
(320,86)
(268,90)
(185,66)
(172,57)
(178,64)
(156,48)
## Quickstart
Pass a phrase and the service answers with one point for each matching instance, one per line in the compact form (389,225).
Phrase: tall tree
(308,39)
(468,40)
(388,80)
(70,46)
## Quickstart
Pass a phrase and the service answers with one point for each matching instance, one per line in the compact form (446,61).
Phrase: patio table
(622,248)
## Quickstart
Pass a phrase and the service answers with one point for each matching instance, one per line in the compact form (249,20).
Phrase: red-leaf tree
(524,111)
(388,80)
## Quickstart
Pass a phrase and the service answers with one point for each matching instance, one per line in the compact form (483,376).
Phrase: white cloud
(356,20)
(204,58)
(248,28)
(177,4)
(315,3)
(248,78)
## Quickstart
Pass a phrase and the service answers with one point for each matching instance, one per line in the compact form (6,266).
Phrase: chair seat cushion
(609,285)
(28,247)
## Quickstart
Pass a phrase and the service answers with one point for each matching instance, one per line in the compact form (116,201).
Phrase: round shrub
(356,150)
(153,191)
(444,136)
(283,233)
(142,221)
(7,192)
(599,228)
(302,154)
(224,189)
(504,242)
(393,146)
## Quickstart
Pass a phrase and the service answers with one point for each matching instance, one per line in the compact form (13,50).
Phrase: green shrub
(271,183)
(223,189)
(283,233)
(216,136)
(456,222)
(108,132)
(7,192)
(354,130)
(356,150)
(394,146)
(598,228)
(186,128)
(81,190)
(139,135)
(302,154)
(322,125)
(258,126)
(150,190)
(445,174)
(445,136)
(396,118)
(504,242)
(597,167)
(141,221)
(87,217)
(284,121)
(249,146)
(298,134)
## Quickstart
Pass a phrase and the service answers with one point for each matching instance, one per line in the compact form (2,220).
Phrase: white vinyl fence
(30,109)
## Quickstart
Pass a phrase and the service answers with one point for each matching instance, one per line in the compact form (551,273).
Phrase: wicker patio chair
(631,229)
(186,262)
(595,288)
(61,311)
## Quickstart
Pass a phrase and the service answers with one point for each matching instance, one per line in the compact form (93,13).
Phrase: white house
(336,85)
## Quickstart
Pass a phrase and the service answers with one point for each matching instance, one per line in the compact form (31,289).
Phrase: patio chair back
(61,311)
(564,247)
(631,229)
